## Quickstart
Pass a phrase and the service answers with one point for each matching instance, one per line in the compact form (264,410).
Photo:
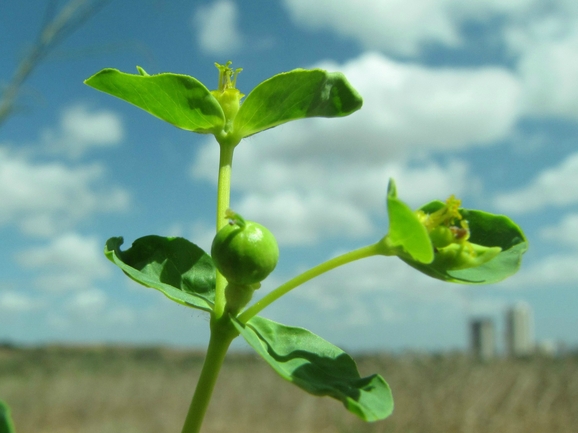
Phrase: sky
(477,99)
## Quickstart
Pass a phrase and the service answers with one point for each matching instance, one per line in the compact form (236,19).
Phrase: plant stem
(222,333)
(223,199)
(360,253)
(224,182)
(222,330)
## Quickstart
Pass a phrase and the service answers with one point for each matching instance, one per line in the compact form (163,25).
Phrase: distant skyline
(477,99)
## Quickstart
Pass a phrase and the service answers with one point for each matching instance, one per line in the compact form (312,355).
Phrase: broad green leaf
(6,424)
(318,367)
(174,266)
(178,99)
(295,95)
(406,230)
(488,230)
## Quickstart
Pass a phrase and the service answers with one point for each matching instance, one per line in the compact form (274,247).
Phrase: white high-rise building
(520,330)
(483,341)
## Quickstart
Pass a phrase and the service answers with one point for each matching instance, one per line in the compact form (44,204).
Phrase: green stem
(361,253)
(224,182)
(223,199)
(222,333)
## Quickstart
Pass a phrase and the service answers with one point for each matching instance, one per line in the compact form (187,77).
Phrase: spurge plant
(440,239)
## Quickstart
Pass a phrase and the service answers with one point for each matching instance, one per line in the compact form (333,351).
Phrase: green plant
(441,239)
(6,425)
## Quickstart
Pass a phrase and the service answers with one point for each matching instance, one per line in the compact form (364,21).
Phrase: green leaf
(318,367)
(487,230)
(6,424)
(295,95)
(178,99)
(405,229)
(174,266)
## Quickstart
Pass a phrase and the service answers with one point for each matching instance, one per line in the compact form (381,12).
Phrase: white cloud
(92,308)
(548,66)
(557,186)
(308,201)
(217,28)
(378,290)
(403,27)
(395,26)
(300,218)
(542,38)
(565,232)
(45,198)
(68,262)
(409,107)
(321,178)
(538,23)
(81,129)
(87,302)
(202,234)
(481,9)
(15,302)
(121,315)
(553,270)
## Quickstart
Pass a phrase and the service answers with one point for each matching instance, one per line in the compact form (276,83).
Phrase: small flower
(226,94)
(450,233)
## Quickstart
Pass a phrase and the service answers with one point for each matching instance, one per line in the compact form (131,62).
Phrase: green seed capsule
(441,237)
(245,252)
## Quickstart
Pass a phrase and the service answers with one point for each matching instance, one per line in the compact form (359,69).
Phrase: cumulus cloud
(548,69)
(395,26)
(565,232)
(216,27)
(90,313)
(380,290)
(556,186)
(12,301)
(81,129)
(304,202)
(543,39)
(410,107)
(202,234)
(323,178)
(68,262)
(44,198)
(304,219)
(550,271)
(87,302)
(400,27)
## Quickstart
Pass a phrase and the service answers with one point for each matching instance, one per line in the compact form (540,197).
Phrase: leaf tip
(142,72)
(391,188)
(111,245)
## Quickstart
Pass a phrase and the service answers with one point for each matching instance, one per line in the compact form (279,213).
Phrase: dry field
(147,390)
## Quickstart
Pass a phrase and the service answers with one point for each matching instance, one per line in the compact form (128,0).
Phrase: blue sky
(474,98)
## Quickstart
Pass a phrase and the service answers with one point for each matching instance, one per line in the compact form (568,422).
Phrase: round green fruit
(245,252)
(441,237)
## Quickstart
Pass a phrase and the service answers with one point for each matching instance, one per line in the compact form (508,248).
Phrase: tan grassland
(147,390)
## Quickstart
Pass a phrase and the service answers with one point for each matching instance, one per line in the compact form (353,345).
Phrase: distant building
(482,338)
(520,330)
